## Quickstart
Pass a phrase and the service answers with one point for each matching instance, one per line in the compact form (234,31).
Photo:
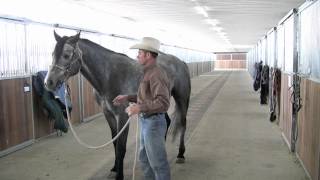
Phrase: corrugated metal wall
(12,49)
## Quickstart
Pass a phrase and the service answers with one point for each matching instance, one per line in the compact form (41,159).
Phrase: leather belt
(146,115)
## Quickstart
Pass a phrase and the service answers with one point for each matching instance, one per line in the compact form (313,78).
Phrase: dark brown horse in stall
(111,74)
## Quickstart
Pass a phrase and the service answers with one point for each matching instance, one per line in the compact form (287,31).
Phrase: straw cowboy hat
(148,44)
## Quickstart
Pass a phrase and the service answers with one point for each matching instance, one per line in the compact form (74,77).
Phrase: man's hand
(120,100)
(133,109)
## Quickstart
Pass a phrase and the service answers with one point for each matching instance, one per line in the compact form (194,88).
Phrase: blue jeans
(153,155)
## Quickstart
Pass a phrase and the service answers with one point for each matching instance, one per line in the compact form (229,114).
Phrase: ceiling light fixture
(217,29)
(206,8)
(222,34)
(212,22)
(201,10)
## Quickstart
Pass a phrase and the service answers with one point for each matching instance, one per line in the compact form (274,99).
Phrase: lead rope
(136,152)
(67,93)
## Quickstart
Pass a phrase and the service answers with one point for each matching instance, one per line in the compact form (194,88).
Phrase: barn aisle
(229,137)
(235,140)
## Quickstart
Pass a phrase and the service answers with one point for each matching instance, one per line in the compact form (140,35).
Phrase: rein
(67,93)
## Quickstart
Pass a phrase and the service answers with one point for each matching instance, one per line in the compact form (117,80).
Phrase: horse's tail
(181,95)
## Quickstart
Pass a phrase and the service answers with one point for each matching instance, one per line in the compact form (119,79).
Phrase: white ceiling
(241,23)
(244,22)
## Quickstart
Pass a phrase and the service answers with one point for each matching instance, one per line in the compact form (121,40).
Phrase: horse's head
(66,62)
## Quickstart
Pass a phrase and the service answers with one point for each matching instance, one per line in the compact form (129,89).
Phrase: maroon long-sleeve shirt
(154,91)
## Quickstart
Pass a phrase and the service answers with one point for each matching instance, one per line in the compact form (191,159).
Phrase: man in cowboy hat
(152,102)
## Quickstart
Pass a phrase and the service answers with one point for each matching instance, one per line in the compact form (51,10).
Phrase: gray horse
(111,74)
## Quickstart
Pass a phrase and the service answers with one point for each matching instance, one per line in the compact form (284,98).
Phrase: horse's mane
(95,45)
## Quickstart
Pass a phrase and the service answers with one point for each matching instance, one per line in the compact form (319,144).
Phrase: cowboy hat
(148,44)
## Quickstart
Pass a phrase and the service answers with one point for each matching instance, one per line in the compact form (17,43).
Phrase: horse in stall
(111,74)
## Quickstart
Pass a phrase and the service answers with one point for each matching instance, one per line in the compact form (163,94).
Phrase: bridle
(75,58)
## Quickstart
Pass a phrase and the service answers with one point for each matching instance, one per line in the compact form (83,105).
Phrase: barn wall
(22,117)
(27,48)
(231,61)
(16,125)
(75,99)
(308,145)
(43,125)
(286,107)
(198,68)
(89,105)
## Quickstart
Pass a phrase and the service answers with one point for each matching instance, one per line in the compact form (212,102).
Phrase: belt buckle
(142,115)
(146,115)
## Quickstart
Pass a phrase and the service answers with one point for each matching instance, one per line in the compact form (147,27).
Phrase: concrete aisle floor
(235,140)
(232,139)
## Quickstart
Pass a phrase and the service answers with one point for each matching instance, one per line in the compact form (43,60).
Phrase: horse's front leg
(113,127)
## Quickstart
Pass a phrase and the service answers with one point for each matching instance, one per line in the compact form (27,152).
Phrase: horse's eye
(66,56)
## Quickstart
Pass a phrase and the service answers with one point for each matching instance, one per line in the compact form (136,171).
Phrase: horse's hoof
(112,175)
(180,160)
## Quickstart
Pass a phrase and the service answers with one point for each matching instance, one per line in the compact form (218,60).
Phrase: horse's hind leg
(182,148)
(182,107)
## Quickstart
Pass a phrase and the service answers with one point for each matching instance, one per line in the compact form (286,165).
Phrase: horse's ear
(56,36)
(74,39)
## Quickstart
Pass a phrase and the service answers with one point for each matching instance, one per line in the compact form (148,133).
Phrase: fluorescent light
(242,46)
(225,38)
(200,10)
(212,22)
(217,29)
(206,8)
(222,34)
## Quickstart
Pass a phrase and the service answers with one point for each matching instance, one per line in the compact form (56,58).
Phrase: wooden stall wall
(195,71)
(198,68)
(286,107)
(75,98)
(190,67)
(42,124)
(231,65)
(212,66)
(89,103)
(308,145)
(22,117)
(231,61)
(206,66)
(16,124)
